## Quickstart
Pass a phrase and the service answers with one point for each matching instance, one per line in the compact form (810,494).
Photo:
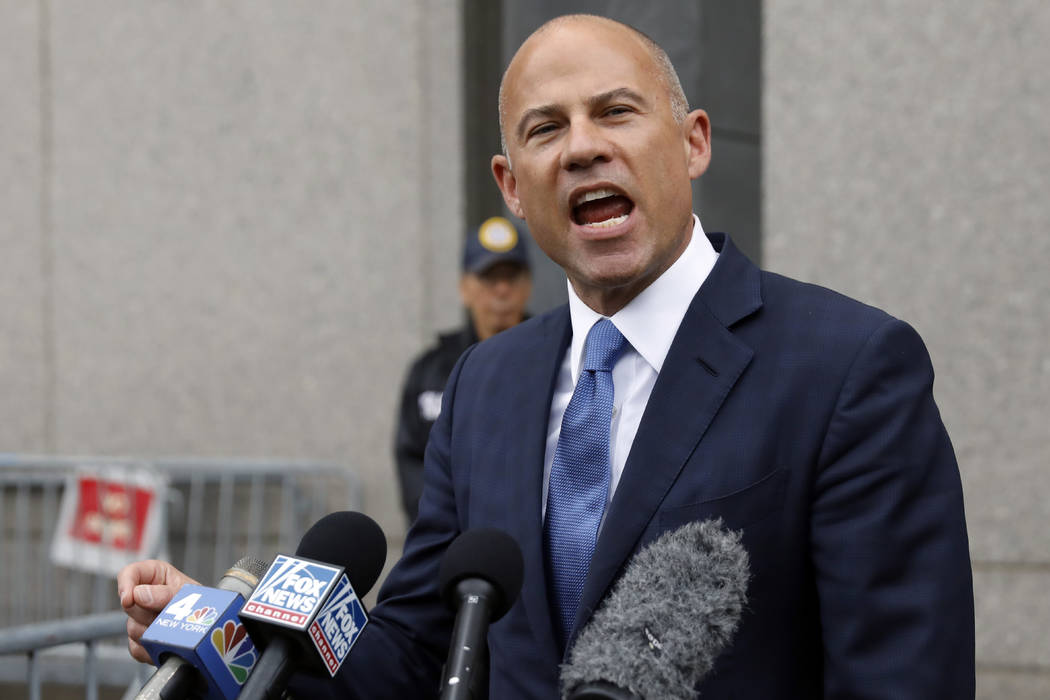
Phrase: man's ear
(697,131)
(508,184)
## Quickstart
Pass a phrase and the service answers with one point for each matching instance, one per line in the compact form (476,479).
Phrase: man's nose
(584,145)
(501,286)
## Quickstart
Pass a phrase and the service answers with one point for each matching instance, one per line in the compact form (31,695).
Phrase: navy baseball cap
(495,241)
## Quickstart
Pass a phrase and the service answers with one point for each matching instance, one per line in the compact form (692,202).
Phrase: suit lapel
(544,356)
(703,364)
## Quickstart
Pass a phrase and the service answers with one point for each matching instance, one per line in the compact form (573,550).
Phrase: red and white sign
(109,518)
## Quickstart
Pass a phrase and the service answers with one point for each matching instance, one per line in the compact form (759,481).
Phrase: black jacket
(420,405)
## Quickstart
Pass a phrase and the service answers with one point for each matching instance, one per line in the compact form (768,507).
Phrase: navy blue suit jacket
(798,416)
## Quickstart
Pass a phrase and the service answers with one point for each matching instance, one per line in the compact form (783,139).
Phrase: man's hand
(145,587)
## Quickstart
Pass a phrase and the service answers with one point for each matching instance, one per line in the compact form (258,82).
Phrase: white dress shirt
(649,322)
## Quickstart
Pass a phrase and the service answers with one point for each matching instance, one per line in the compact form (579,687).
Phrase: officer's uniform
(420,405)
(493,242)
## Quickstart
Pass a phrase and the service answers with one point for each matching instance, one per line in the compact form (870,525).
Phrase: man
(801,418)
(495,287)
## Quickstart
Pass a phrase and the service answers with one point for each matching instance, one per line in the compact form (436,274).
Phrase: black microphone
(665,622)
(175,637)
(306,612)
(480,578)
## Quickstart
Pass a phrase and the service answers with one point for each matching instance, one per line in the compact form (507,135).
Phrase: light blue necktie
(580,474)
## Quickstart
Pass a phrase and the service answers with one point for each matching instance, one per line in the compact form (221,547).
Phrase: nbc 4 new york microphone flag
(200,625)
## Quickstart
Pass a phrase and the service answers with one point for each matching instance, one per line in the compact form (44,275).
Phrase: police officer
(495,287)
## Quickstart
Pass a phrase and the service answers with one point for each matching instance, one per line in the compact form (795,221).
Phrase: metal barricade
(215,512)
(36,641)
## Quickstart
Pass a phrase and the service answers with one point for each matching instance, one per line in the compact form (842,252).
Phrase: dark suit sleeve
(401,650)
(890,549)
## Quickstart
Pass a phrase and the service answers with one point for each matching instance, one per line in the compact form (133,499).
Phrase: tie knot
(604,345)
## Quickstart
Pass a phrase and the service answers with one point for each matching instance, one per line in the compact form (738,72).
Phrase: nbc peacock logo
(203,616)
(236,649)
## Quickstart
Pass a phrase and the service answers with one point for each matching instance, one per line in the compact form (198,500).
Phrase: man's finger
(138,652)
(135,629)
(140,617)
(150,597)
(149,571)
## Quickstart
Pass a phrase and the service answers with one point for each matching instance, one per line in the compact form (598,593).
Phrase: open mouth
(601,208)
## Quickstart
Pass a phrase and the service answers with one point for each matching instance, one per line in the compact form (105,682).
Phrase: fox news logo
(338,625)
(291,590)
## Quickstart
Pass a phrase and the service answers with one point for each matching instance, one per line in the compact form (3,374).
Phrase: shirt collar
(650,321)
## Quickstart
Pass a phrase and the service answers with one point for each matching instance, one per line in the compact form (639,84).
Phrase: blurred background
(226,228)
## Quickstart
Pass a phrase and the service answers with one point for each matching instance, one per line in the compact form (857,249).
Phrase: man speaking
(679,384)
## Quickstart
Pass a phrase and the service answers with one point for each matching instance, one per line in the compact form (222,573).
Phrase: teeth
(593,195)
(616,220)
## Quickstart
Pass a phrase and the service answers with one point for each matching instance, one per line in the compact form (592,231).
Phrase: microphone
(306,613)
(480,578)
(198,644)
(665,622)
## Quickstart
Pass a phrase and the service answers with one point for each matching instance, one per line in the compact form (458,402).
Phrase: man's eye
(542,129)
(617,111)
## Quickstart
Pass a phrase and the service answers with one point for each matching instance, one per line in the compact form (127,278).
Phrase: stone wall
(225,226)
(906,163)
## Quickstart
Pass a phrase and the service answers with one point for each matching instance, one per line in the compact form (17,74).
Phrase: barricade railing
(213,512)
(33,640)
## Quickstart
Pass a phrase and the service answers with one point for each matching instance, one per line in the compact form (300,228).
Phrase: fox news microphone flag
(306,612)
(197,642)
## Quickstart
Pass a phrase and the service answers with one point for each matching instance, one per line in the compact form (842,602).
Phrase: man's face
(597,164)
(496,297)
